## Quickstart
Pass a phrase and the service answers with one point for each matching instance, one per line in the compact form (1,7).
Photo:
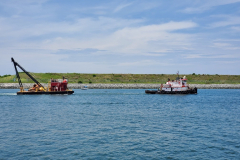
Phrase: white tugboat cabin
(180,84)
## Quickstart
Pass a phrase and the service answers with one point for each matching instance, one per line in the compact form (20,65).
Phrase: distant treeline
(6,75)
(123,78)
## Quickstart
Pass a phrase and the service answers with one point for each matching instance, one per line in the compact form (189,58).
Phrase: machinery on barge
(178,86)
(54,86)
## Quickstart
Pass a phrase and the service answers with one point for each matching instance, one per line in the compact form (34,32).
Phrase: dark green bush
(6,75)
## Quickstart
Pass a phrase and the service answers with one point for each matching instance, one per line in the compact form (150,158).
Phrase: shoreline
(122,86)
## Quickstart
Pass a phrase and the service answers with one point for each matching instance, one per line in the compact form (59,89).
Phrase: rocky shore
(123,86)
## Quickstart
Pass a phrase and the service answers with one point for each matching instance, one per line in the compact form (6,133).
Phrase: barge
(58,86)
(178,86)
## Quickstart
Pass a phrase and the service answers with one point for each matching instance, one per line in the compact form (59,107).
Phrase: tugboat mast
(178,75)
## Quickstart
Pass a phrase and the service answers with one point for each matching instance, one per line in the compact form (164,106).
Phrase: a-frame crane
(29,75)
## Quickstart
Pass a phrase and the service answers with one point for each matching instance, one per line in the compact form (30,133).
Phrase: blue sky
(113,36)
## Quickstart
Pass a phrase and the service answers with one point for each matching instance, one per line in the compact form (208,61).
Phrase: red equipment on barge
(58,85)
(54,86)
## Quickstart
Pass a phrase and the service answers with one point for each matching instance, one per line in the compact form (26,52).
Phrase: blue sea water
(120,124)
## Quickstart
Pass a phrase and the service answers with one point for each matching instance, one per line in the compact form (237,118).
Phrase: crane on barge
(56,87)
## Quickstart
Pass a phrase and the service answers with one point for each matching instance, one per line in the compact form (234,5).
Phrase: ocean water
(120,124)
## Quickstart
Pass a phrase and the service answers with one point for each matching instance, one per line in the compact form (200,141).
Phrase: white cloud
(193,56)
(17,27)
(120,7)
(221,45)
(137,63)
(229,21)
(203,5)
(142,40)
(226,46)
(145,63)
(209,56)
(236,28)
(151,38)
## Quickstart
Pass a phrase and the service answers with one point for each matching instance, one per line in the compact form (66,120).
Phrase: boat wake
(8,94)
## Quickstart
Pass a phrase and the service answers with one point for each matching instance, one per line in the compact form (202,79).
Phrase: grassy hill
(123,78)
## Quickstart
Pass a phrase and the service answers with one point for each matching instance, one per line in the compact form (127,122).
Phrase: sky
(121,36)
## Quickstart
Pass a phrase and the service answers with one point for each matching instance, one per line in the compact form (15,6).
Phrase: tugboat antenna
(178,74)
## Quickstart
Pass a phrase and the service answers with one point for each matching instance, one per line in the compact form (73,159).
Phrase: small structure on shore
(84,88)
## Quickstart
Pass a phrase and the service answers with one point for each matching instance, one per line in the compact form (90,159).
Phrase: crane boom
(29,75)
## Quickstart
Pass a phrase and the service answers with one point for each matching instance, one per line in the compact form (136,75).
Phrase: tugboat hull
(49,92)
(190,91)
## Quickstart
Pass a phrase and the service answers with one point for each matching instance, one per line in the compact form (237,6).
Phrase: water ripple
(120,124)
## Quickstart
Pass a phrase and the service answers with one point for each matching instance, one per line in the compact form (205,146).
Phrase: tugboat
(54,86)
(178,86)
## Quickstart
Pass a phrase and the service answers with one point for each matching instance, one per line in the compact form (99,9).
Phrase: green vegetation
(123,78)
(7,75)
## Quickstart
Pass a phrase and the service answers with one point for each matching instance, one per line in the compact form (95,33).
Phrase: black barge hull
(190,91)
(48,92)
